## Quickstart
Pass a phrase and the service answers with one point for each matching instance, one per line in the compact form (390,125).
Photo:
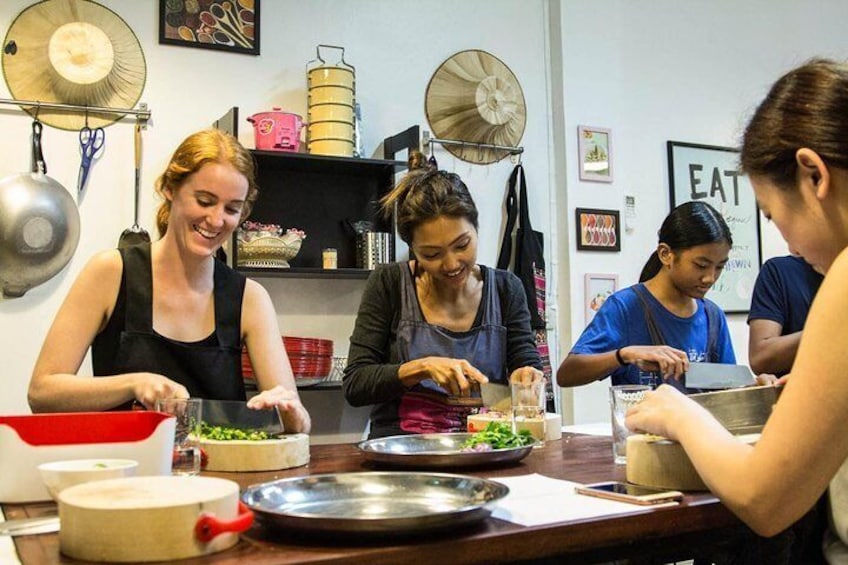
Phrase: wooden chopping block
(288,451)
(654,461)
(144,518)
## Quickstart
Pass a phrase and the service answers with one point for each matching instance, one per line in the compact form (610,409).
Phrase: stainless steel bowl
(434,451)
(377,502)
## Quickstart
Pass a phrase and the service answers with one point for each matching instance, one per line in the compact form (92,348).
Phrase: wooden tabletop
(696,527)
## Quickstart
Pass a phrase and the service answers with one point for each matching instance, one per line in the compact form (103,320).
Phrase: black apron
(208,369)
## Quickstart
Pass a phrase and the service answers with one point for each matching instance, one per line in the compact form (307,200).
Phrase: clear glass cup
(528,408)
(189,413)
(622,398)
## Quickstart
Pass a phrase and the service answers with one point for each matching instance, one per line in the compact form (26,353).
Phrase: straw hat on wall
(73,52)
(473,96)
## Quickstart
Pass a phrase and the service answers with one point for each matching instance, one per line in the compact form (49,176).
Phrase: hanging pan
(39,225)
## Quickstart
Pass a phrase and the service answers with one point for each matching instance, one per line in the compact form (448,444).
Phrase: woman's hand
(293,413)
(150,387)
(670,362)
(658,412)
(453,375)
(526,376)
(769,379)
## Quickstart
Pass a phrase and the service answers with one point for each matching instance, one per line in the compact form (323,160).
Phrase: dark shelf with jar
(323,196)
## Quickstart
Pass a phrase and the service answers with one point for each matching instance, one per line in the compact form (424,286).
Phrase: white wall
(669,70)
(395,46)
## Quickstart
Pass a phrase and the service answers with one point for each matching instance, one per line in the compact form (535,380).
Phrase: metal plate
(378,502)
(436,451)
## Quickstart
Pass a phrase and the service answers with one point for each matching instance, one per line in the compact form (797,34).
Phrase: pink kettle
(277,130)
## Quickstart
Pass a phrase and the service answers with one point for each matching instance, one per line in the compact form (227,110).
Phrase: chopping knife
(740,410)
(716,376)
(30,526)
(496,396)
(236,414)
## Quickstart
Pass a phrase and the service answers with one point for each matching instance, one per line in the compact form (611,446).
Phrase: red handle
(209,527)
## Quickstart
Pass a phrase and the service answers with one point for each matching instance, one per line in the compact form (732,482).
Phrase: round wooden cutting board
(144,518)
(654,461)
(288,451)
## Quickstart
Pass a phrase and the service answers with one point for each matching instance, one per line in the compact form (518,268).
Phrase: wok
(39,225)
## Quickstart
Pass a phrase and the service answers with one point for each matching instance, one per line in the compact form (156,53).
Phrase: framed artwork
(711,173)
(597,230)
(226,25)
(595,146)
(598,288)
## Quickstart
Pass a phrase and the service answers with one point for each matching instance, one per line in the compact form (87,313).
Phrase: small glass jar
(330,258)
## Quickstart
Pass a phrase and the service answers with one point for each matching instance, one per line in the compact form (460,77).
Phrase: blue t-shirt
(621,322)
(783,293)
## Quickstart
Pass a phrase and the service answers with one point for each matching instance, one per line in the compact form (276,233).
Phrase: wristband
(618,357)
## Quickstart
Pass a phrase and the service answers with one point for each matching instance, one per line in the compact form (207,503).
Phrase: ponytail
(652,267)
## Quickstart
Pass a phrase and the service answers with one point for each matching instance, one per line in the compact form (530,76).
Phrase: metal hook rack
(426,140)
(142,114)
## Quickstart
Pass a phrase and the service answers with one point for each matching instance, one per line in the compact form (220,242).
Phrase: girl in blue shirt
(664,322)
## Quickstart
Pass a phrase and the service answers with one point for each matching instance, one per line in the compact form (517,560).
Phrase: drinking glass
(188,412)
(528,408)
(622,398)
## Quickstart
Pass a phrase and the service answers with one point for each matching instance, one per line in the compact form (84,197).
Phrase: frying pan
(39,225)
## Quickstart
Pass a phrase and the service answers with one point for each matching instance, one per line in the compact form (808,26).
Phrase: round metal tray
(436,451)
(377,502)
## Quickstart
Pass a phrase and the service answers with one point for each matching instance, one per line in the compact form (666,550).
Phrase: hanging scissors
(91,141)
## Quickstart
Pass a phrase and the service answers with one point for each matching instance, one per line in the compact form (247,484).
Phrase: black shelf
(320,195)
(305,273)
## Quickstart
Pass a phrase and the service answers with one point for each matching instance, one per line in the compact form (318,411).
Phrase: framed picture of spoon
(226,25)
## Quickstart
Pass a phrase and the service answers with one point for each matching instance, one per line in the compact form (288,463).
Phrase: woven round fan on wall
(73,52)
(474,97)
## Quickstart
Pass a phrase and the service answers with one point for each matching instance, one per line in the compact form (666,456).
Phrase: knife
(740,410)
(30,526)
(717,376)
(496,396)
(236,414)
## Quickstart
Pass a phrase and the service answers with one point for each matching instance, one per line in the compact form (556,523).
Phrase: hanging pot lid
(73,52)
(473,96)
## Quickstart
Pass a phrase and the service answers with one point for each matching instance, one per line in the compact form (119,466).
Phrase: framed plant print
(226,25)
(598,288)
(597,230)
(595,148)
(711,174)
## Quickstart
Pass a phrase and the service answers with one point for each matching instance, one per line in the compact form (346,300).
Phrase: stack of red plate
(310,358)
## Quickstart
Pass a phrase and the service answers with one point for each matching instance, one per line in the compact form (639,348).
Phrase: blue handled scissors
(91,140)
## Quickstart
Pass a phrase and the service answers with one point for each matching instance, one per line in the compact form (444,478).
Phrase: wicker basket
(270,251)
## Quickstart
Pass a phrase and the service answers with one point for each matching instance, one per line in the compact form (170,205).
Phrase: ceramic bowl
(267,248)
(59,475)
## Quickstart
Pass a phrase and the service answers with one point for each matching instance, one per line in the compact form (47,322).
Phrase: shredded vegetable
(223,433)
(497,435)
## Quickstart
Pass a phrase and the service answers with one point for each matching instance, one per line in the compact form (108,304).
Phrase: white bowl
(59,475)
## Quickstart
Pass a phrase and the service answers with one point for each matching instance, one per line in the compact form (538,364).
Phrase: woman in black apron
(429,329)
(167,319)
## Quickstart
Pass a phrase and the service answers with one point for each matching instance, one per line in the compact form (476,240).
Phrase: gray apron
(427,407)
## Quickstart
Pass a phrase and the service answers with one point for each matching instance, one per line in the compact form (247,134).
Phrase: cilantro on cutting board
(499,435)
(224,433)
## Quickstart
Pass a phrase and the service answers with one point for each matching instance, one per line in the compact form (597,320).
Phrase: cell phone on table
(626,492)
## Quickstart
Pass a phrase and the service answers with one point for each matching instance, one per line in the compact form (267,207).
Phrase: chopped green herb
(224,433)
(100,465)
(499,435)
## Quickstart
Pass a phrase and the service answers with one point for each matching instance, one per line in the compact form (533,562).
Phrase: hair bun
(417,160)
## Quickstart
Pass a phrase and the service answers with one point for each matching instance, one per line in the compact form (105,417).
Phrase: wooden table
(698,525)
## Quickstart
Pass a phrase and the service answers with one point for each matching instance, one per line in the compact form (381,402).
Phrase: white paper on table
(535,500)
(8,553)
